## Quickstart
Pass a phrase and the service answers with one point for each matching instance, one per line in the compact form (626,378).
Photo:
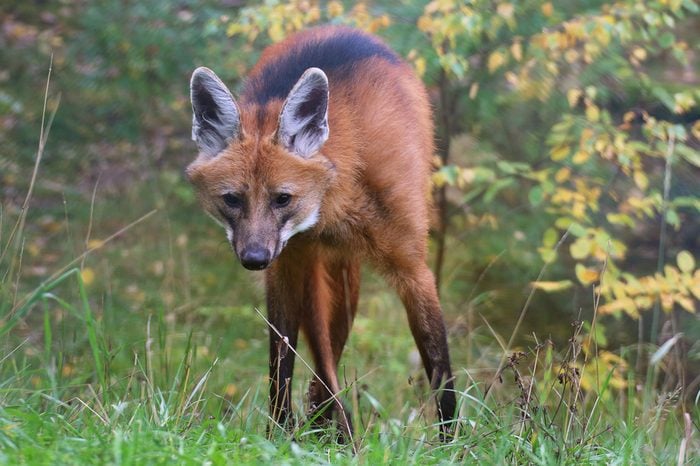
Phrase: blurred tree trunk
(443,146)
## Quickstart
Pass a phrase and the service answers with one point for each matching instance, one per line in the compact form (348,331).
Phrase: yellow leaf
(313,15)
(580,157)
(33,249)
(420,65)
(505,10)
(379,23)
(641,180)
(695,285)
(666,302)
(95,244)
(685,261)
(230,390)
(571,55)
(562,175)
(67,370)
(335,8)
(439,179)
(578,210)
(551,287)
(496,60)
(511,78)
(639,53)
(88,275)
(547,9)
(586,135)
(592,113)
(626,304)
(473,90)
(432,7)
(517,51)
(600,34)
(686,303)
(559,153)
(591,92)
(629,116)
(643,302)
(425,23)
(585,275)
(573,95)
(696,129)
(276,32)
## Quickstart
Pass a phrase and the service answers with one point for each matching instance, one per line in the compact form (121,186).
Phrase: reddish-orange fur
(371,181)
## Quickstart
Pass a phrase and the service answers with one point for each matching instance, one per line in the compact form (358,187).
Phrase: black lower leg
(281,370)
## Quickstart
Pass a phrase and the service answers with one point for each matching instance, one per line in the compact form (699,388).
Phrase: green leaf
(666,40)
(691,6)
(686,262)
(665,98)
(620,219)
(689,155)
(472,194)
(551,287)
(548,255)
(482,174)
(581,248)
(678,131)
(496,187)
(535,196)
(577,229)
(673,219)
(686,201)
(550,238)
(511,168)
(449,174)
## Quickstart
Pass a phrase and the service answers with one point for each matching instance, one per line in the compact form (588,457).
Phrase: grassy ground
(129,335)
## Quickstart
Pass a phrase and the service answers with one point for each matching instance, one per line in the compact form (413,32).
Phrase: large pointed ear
(216,119)
(303,122)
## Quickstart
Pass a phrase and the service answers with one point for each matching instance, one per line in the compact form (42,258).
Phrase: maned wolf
(323,162)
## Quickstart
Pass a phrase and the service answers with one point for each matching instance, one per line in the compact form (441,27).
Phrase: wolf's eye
(232,200)
(282,200)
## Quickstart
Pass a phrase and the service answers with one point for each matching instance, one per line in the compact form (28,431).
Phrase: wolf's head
(259,171)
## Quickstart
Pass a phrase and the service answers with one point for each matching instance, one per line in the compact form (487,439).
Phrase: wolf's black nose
(255,258)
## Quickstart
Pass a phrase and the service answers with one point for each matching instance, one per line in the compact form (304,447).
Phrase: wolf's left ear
(303,121)
(216,119)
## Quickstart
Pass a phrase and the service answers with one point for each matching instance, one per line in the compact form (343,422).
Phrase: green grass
(132,337)
(114,373)
(165,409)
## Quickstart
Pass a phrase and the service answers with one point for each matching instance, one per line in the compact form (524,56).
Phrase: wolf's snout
(255,257)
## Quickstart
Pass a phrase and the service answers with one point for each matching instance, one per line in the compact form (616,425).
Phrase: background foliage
(566,190)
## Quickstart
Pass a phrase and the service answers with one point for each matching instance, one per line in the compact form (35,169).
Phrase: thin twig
(81,256)
(90,221)
(521,317)
(592,341)
(335,398)
(43,136)
(656,313)
(662,234)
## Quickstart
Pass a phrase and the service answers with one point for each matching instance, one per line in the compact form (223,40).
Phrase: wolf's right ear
(216,119)
(303,121)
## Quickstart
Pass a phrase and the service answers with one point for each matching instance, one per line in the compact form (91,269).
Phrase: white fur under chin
(307,223)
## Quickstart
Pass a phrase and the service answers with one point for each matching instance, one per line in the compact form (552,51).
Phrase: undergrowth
(87,378)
